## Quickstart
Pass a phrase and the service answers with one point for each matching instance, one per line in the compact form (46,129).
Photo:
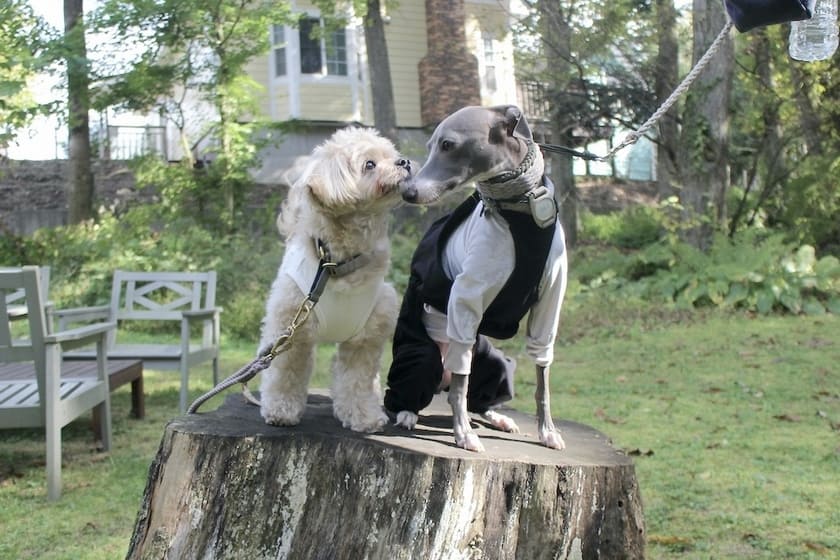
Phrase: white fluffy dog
(341,199)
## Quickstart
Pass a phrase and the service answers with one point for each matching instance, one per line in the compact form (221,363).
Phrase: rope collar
(526,164)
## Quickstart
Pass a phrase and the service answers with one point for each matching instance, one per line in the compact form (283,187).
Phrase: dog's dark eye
(447,145)
(369,164)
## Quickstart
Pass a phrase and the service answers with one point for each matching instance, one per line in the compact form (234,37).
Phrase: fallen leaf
(787,417)
(817,547)
(601,414)
(621,379)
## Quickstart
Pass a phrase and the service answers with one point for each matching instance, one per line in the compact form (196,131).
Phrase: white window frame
(294,78)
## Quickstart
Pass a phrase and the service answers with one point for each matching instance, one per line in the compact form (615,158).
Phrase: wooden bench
(119,373)
(188,298)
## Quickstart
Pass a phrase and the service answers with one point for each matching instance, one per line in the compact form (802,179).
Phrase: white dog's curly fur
(342,195)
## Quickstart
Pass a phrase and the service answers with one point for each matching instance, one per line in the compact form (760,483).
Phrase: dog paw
(552,439)
(281,412)
(470,442)
(501,422)
(275,419)
(366,423)
(406,419)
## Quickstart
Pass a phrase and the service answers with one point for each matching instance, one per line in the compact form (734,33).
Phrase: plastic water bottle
(815,38)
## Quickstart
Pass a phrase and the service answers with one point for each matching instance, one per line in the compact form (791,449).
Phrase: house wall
(406,37)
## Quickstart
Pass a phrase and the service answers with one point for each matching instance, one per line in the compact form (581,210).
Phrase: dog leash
(634,136)
(326,268)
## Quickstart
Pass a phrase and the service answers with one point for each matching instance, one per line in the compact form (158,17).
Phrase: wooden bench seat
(19,388)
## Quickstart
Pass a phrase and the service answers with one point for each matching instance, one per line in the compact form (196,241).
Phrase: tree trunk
(556,35)
(225,485)
(704,166)
(666,80)
(80,181)
(384,111)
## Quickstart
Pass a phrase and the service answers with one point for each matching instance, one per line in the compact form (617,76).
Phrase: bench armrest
(63,317)
(81,336)
(202,314)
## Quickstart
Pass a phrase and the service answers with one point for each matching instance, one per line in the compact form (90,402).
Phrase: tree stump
(226,485)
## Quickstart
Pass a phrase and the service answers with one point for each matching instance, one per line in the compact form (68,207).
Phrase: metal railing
(127,142)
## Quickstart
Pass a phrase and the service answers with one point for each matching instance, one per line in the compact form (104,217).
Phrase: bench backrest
(160,296)
(17,297)
(25,283)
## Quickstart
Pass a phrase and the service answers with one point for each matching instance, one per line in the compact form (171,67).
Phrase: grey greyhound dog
(477,273)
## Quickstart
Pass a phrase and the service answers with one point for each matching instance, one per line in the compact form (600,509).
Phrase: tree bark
(80,187)
(666,81)
(556,35)
(225,485)
(704,142)
(384,111)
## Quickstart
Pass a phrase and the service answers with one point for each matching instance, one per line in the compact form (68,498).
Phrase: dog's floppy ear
(330,180)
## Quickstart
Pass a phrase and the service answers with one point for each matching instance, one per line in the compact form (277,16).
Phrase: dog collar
(526,164)
(539,202)
(327,267)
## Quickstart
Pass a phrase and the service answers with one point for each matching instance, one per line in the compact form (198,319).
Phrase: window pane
(278,34)
(310,48)
(279,62)
(337,53)
(278,41)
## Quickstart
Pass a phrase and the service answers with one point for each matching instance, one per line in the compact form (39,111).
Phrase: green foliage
(754,271)
(190,46)
(23,40)
(83,258)
(632,228)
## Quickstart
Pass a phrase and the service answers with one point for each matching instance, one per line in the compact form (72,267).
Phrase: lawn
(734,422)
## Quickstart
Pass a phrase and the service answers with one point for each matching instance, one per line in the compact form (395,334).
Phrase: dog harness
(531,247)
(342,310)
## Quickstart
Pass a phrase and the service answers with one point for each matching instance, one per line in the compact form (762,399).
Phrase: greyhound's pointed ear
(517,125)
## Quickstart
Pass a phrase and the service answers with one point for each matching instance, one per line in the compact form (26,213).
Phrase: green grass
(735,418)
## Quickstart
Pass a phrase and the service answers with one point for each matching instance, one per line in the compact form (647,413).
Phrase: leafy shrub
(632,228)
(83,258)
(755,271)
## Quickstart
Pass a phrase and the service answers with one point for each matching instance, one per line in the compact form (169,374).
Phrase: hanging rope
(633,137)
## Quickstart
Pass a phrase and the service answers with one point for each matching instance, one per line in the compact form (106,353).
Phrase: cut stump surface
(226,485)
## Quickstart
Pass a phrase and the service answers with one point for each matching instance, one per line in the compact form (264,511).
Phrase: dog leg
(465,437)
(501,421)
(284,385)
(355,391)
(549,436)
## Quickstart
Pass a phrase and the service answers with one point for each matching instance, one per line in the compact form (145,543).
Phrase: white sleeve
(544,317)
(486,261)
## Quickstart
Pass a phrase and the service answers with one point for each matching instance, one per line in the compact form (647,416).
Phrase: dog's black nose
(409,194)
(404,163)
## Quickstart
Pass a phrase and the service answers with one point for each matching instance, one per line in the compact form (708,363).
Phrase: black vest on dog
(531,246)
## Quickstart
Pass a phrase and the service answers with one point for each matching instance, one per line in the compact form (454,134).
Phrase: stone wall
(33,193)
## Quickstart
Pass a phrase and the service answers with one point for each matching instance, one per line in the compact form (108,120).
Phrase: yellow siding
(281,104)
(327,102)
(257,69)
(406,38)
